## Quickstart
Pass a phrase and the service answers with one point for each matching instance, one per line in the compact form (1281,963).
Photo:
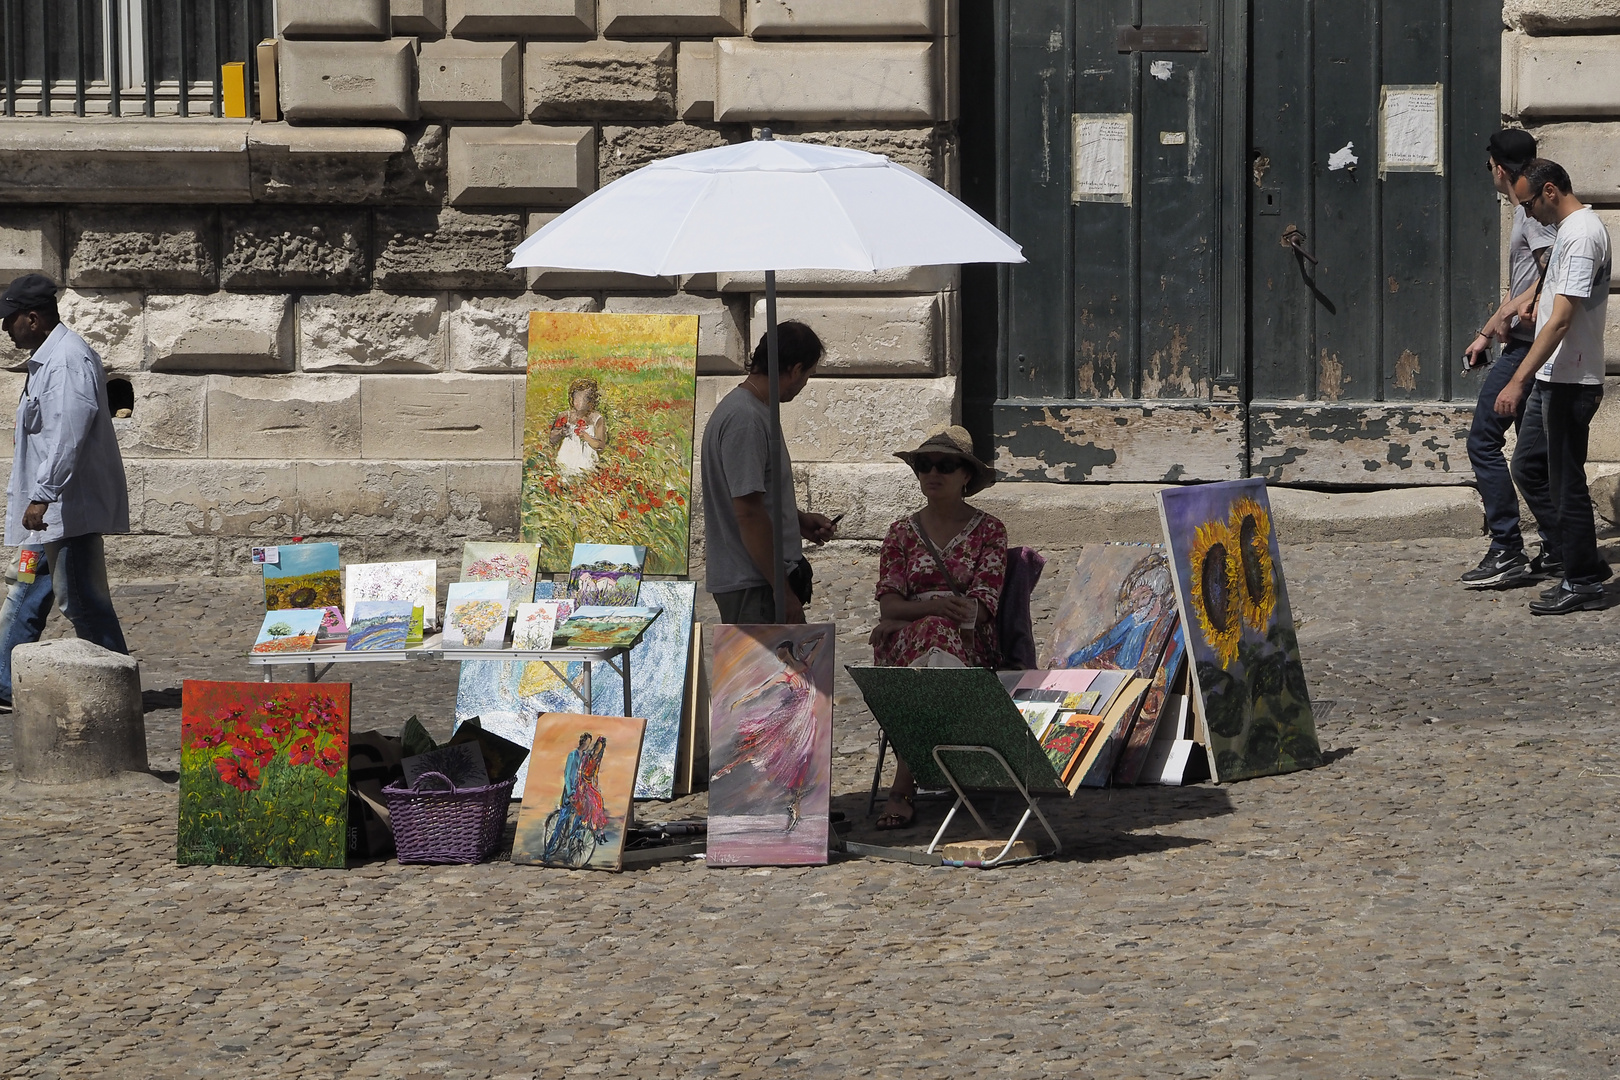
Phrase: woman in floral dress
(939,579)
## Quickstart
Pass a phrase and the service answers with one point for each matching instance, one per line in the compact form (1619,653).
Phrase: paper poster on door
(1102,157)
(1411,129)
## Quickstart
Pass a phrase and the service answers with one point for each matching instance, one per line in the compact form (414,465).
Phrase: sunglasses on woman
(923,466)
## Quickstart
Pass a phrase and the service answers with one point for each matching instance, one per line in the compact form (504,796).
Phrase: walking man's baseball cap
(1513,146)
(27,293)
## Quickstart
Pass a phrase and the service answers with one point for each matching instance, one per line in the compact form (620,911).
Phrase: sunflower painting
(1240,630)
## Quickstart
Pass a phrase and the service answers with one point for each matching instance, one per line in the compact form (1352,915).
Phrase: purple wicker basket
(448,825)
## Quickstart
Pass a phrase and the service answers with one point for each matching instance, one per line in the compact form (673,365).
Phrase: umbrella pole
(773,487)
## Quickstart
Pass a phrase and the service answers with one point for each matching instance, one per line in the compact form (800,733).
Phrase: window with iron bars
(126,57)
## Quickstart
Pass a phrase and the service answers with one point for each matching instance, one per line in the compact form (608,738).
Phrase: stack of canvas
(1074,712)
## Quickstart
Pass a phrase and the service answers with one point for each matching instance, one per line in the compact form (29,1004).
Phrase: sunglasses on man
(922,466)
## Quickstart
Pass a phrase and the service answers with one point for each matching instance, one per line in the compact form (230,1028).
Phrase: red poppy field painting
(264,774)
(607,441)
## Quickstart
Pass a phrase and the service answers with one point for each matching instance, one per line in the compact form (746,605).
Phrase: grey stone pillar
(78,713)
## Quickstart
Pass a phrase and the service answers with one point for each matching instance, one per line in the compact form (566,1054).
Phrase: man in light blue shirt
(67,477)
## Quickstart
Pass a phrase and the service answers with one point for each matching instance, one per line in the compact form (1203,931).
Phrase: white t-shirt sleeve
(1578,269)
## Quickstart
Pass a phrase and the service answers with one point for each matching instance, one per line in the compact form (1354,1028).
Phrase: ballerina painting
(771,734)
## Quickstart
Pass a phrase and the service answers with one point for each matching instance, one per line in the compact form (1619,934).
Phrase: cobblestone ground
(1439,900)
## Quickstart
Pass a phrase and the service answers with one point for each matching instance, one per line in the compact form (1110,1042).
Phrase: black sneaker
(1498,568)
(1565,600)
(1546,566)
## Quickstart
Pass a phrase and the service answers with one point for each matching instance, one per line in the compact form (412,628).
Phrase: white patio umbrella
(766,206)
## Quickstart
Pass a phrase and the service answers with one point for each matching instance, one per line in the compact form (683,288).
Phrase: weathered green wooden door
(1259,233)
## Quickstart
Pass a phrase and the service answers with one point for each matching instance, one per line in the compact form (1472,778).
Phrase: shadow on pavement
(1095,824)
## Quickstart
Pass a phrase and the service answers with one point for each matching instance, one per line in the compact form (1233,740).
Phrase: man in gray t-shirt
(736,515)
(1510,152)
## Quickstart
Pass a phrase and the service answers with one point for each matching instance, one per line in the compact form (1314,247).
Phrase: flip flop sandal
(891,821)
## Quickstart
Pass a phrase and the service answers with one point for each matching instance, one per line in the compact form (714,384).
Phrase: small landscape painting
(770,745)
(288,631)
(605,575)
(580,797)
(607,439)
(264,774)
(1247,677)
(379,624)
(603,628)
(307,576)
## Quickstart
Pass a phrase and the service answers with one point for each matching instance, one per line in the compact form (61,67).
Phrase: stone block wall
(315,315)
(1561,81)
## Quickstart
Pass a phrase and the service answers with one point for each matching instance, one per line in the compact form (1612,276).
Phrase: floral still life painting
(514,564)
(476,624)
(532,625)
(333,628)
(578,804)
(414,581)
(603,628)
(264,774)
(288,631)
(305,576)
(1248,682)
(475,614)
(379,624)
(606,575)
(610,405)
(770,745)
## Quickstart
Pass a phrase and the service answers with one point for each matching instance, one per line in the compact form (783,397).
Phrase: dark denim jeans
(1486,438)
(23,615)
(755,605)
(1552,449)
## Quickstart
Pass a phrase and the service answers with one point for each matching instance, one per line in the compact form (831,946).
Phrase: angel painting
(1145,604)
(776,725)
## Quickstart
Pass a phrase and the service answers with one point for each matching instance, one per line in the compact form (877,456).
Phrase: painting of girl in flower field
(607,441)
(264,774)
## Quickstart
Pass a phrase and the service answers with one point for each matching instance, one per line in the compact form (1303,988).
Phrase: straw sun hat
(954,440)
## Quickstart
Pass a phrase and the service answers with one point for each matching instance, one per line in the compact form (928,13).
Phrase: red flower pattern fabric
(976,559)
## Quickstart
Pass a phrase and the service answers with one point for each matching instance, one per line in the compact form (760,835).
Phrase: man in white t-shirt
(1530,243)
(1560,381)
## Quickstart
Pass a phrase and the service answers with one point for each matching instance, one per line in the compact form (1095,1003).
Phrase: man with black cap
(1511,151)
(67,476)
